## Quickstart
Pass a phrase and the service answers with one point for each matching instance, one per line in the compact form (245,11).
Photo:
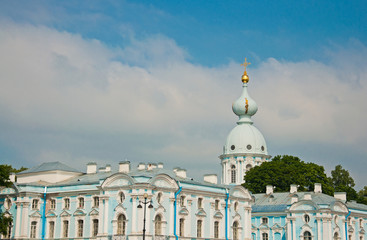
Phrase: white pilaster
(18,227)
(133,218)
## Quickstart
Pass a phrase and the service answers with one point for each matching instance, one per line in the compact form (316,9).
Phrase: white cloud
(78,99)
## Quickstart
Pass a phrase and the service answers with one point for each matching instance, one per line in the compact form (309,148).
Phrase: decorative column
(294,228)
(17,226)
(325,231)
(318,219)
(101,222)
(171,220)
(25,222)
(289,229)
(148,219)
(106,215)
(133,218)
(247,225)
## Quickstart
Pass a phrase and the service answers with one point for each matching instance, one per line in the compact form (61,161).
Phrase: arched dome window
(121,224)
(235,230)
(248,167)
(158,225)
(307,236)
(233,174)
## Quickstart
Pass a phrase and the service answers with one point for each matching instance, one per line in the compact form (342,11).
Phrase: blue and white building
(55,201)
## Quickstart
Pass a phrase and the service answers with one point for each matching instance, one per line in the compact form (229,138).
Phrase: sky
(153,81)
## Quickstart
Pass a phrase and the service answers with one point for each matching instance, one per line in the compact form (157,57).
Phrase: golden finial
(245,77)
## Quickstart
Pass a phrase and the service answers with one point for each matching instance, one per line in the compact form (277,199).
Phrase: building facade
(55,201)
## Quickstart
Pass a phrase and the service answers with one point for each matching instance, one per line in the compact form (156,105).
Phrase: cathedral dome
(245,139)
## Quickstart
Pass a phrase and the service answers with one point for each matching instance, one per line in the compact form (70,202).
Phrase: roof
(50,166)
(278,202)
(355,205)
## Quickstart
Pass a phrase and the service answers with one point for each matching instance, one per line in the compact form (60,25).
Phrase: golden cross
(245,64)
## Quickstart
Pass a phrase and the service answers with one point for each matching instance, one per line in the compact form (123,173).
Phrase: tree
(285,170)
(343,182)
(5,171)
(362,195)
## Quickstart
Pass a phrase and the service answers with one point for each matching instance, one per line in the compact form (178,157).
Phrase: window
(8,234)
(307,218)
(33,229)
(235,230)
(216,229)
(182,227)
(96,202)
(216,204)
(158,225)
(80,228)
(200,203)
(121,197)
(52,204)
(248,167)
(121,224)
(81,203)
(336,236)
(7,203)
(51,229)
(67,203)
(35,204)
(307,236)
(236,206)
(233,174)
(95,227)
(65,232)
(264,220)
(361,238)
(182,201)
(159,198)
(199,226)
(265,236)
(361,223)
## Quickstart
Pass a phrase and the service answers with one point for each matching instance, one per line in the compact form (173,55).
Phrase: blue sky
(154,80)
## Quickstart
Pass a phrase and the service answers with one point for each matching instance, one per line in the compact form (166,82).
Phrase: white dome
(245,139)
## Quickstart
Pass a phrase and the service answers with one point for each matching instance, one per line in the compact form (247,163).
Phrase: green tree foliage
(285,170)
(5,171)
(362,195)
(343,182)
(4,223)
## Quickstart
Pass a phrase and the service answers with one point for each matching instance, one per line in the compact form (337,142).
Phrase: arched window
(265,236)
(65,232)
(336,236)
(248,167)
(121,224)
(10,227)
(95,227)
(233,174)
(182,227)
(33,229)
(200,202)
(80,228)
(199,226)
(216,229)
(158,225)
(235,230)
(307,235)
(51,229)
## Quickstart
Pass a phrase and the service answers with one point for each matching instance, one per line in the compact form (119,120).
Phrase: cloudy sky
(146,81)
